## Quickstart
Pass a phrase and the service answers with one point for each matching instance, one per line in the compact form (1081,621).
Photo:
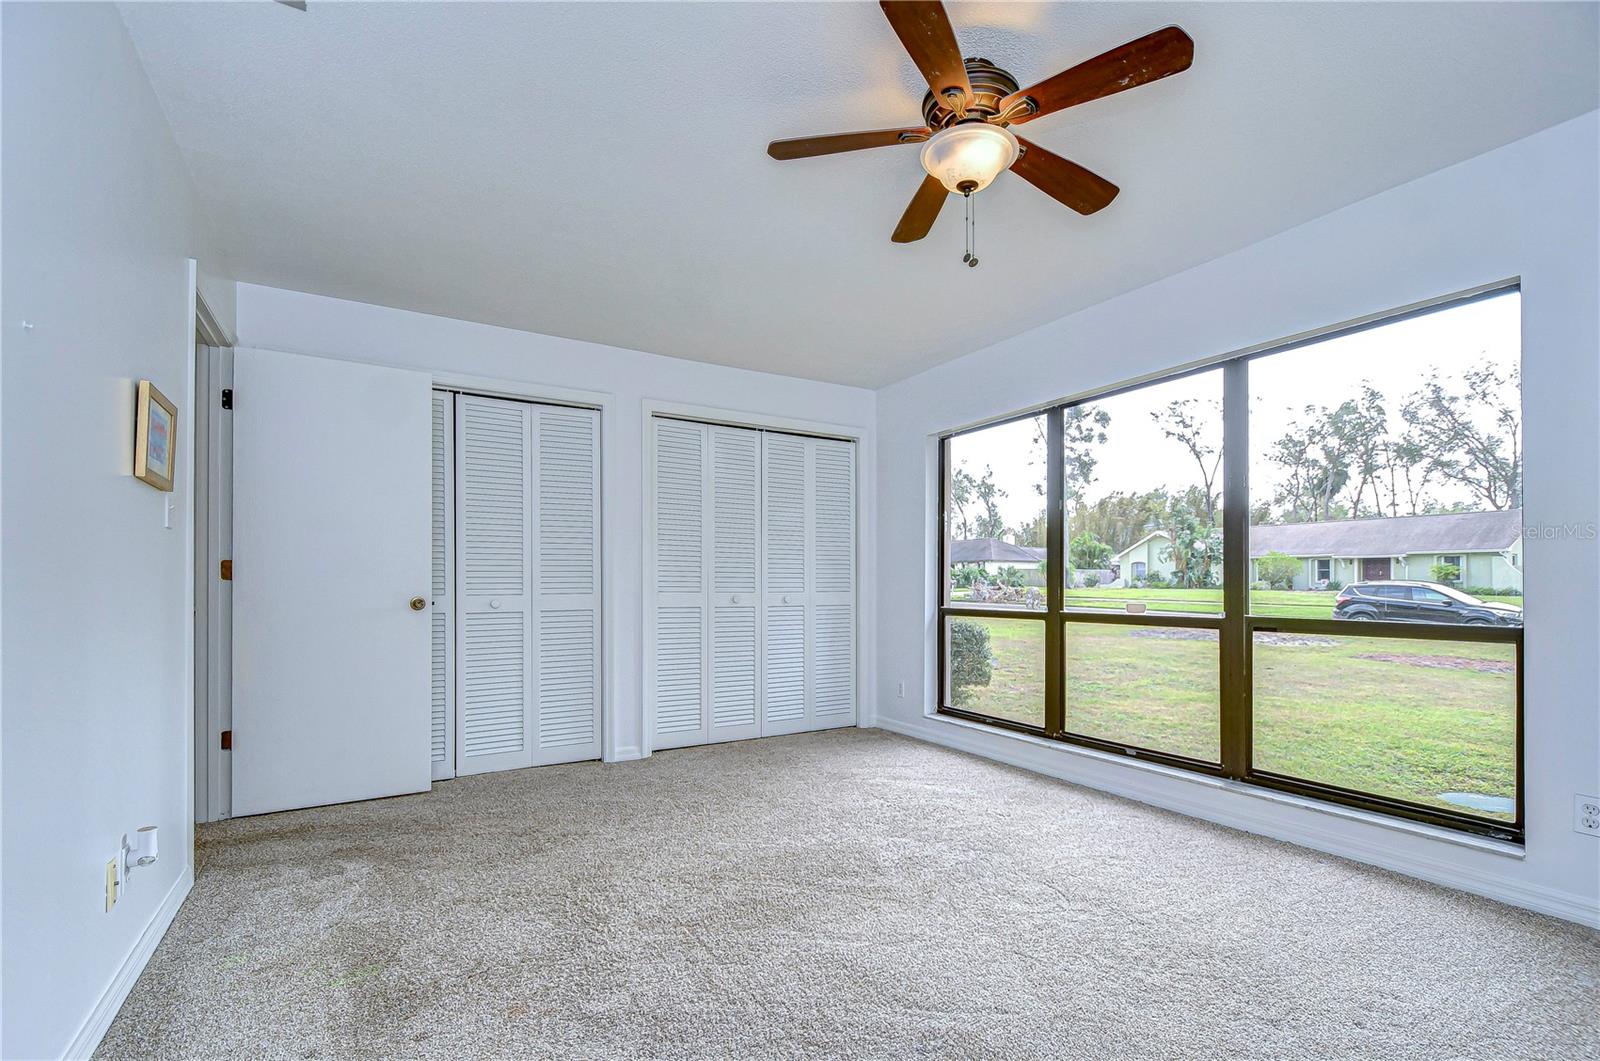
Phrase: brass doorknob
(417,604)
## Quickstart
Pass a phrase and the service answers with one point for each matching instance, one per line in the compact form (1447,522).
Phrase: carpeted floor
(842,894)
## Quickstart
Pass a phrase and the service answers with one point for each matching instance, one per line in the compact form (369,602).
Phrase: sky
(1396,358)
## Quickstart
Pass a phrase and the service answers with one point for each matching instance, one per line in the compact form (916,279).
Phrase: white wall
(1527,209)
(99,223)
(311,324)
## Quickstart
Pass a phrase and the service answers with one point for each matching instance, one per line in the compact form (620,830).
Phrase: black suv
(1420,602)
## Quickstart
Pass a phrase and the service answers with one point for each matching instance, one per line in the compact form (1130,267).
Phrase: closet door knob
(494,604)
(735,598)
(417,604)
(786,598)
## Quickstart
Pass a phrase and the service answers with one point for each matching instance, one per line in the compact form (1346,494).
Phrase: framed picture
(155,438)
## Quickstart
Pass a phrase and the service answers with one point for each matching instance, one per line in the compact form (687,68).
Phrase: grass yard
(1278,603)
(1411,719)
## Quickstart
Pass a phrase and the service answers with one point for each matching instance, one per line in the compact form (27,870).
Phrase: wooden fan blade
(1066,182)
(924,29)
(920,215)
(809,146)
(1150,58)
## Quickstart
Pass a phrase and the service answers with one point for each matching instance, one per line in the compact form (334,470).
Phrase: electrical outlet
(900,690)
(111,884)
(1586,814)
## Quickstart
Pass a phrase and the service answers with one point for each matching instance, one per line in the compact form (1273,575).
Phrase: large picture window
(1299,568)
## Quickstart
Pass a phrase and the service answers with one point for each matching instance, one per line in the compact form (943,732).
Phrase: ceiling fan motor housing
(990,85)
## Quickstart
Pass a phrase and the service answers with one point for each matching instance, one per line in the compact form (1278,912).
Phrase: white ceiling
(598,171)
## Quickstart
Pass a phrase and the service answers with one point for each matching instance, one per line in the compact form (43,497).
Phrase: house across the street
(1149,556)
(1486,547)
(992,554)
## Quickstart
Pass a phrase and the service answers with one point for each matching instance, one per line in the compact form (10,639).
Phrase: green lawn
(1278,603)
(1411,719)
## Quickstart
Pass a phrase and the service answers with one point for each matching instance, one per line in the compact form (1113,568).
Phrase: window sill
(1489,845)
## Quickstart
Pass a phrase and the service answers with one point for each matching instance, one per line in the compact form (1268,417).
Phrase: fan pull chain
(971,227)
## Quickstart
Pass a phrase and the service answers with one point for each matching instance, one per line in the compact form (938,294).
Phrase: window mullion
(1233,642)
(1055,633)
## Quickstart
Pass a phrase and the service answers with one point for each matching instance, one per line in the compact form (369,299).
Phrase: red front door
(1374,567)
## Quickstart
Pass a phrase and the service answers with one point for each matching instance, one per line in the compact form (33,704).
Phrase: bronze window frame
(1236,626)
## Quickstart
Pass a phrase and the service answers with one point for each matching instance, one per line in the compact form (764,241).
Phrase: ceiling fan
(971,106)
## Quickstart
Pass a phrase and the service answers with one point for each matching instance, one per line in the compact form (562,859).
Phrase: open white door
(331,543)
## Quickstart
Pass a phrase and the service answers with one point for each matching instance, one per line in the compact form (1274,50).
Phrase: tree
(1082,428)
(1031,533)
(1195,548)
(1407,467)
(1316,461)
(1472,439)
(1089,552)
(989,524)
(1191,422)
(1278,570)
(1363,426)
(976,513)
(961,484)
(1120,519)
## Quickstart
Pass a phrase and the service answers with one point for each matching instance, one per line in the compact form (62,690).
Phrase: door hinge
(227,740)
(226,573)
(227,397)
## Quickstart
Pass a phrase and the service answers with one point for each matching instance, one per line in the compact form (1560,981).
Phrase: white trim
(95,1026)
(866,540)
(205,320)
(194,306)
(1148,783)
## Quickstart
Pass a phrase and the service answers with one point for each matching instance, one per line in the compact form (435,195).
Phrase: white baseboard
(1201,800)
(99,1020)
(622,755)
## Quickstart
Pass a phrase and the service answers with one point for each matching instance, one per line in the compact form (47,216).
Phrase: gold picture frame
(155,438)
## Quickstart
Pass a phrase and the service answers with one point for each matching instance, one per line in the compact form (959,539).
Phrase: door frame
(606,404)
(208,796)
(1388,562)
(866,526)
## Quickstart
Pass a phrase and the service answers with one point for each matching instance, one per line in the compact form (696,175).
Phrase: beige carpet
(840,894)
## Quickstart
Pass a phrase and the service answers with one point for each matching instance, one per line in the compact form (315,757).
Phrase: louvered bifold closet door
(677,638)
(441,616)
(735,649)
(833,586)
(567,602)
(494,662)
(785,584)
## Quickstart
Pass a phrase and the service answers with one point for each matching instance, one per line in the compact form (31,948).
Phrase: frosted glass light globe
(965,158)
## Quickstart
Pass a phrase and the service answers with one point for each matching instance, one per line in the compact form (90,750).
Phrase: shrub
(1278,570)
(969,658)
(1335,585)
(1010,576)
(1490,591)
(1155,580)
(1091,580)
(963,576)
(1446,573)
